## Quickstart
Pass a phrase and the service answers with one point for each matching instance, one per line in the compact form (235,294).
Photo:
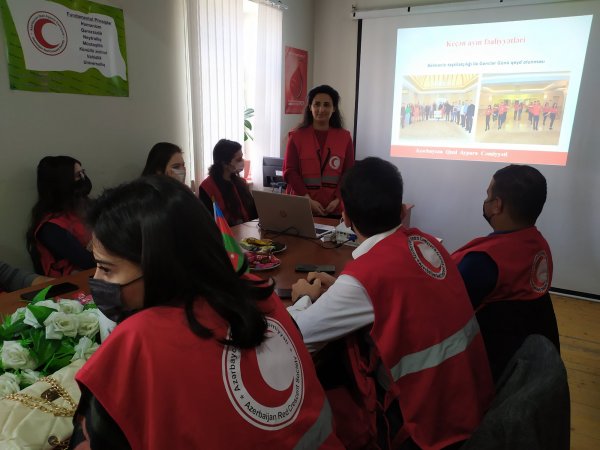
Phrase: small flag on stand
(235,253)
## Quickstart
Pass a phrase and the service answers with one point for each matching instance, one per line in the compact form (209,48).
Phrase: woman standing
(553,113)
(318,153)
(488,114)
(225,185)
(57,239)
(201,357)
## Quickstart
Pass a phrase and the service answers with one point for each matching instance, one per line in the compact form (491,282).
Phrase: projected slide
(503,92)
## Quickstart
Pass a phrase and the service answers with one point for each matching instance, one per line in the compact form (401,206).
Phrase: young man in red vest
(414,373)
(508,273)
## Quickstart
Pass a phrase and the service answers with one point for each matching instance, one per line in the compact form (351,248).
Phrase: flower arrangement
(45,336)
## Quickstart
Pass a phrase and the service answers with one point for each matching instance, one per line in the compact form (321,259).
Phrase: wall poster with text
(296,65)
(70,46)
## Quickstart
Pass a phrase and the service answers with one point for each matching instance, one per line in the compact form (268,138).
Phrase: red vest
(167,388)
(213,191)
(524,263)
(73,224)
(431,357)
(321,177)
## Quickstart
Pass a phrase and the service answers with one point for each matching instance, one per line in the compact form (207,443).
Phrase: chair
(506,324)
(273,173)
(531,410)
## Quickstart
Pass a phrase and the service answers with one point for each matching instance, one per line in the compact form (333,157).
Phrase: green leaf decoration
(41,313)
(41,295)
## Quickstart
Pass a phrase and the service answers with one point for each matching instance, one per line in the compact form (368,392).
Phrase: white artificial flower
(9,384)
(84,348)
(15,356)
(106,325)
(30,319)
(29,376)
(88,323)
(69,306)
(48,304)
(18,315)
(59,324)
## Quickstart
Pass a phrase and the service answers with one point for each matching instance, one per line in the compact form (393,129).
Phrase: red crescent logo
(35,28)
(539,273)
(266,384)
(427,256)
(37,32)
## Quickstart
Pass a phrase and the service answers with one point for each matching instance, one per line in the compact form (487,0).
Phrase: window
(235,62)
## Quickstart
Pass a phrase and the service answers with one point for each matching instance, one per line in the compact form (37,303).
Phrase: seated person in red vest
(225,185)
(318,153)
(414,373)
(57,239)
(165,159)
(508,273)
(202,356)
(12,279)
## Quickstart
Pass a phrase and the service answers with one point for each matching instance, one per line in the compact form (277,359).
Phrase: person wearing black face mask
(192,332)
(57,239)
(508,273)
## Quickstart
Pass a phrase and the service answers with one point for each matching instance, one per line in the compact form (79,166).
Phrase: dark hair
(158,223)
(58,193)
(335,121)
(223,153)
(522,190)
(159,157)
(372,195)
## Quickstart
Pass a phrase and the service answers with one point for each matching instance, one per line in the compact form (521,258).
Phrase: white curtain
(214,30)
(266,122)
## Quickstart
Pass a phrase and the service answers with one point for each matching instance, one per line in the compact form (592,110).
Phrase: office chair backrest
(531,410)
(272,172)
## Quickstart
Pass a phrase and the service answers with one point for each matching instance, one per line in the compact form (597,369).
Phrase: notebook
(289,214)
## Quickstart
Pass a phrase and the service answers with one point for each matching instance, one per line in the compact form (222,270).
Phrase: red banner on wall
(296,65)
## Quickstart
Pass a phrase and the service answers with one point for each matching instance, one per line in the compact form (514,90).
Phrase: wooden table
(9,302)
(299,250)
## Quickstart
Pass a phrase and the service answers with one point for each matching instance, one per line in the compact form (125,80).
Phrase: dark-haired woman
(225,185)
(57,239)
(318,153)
(206,357)
(165,159)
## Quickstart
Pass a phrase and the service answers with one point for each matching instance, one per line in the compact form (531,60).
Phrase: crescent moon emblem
(37,30)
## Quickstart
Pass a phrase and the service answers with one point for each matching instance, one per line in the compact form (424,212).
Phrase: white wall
(336,34)
(298,32)
(110,135)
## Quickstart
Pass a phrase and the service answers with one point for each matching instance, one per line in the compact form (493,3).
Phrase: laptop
(288,214)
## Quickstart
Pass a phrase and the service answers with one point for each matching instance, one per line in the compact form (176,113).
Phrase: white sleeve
(345,307)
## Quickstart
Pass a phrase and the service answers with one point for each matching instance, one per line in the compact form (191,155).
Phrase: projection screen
(451,95)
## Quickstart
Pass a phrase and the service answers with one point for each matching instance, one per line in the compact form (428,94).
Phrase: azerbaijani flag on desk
(235,253)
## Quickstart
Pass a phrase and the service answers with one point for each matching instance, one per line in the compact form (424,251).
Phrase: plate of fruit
(262,245)
(262,261)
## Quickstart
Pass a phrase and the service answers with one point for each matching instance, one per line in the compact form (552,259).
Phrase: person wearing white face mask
(165,159)
(225,186)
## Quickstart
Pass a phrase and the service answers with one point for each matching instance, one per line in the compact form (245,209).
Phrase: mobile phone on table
(56,289)
(283,293)
(327,268)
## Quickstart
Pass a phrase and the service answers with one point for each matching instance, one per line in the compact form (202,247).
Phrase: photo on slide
(521,108)
(488,91)
(438,107)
